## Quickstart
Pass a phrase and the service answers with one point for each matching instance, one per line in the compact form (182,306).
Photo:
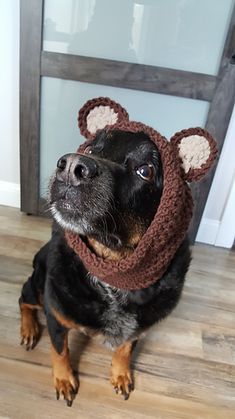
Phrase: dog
(108,195)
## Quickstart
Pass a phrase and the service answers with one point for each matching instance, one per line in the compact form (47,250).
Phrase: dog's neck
(115,247)
(108,253)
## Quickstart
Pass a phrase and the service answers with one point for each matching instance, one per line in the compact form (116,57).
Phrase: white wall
(9,103)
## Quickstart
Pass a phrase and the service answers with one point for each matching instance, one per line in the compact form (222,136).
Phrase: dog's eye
(146,171)
(88,150)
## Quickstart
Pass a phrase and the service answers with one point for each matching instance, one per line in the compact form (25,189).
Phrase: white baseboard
(9,194)
(208,231)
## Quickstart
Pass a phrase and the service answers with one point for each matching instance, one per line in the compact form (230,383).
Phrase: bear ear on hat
(98,113)
(197,151)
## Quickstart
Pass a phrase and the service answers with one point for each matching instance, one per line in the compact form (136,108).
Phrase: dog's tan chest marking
(70,324)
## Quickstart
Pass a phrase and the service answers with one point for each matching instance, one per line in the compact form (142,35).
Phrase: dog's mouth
(67,216)
(75,210)
(83,205)
(113,200)
(66,209)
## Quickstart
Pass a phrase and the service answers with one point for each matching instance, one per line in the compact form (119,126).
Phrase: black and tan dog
(109,195)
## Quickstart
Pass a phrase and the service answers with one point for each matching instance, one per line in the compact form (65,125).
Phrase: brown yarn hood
(180,163)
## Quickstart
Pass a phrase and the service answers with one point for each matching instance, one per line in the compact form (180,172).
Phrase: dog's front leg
(121,377)
(65,381)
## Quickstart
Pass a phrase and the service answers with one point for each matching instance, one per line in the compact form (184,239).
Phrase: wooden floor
(185,367)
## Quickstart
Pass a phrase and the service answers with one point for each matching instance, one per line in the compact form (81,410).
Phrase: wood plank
(26,228)
(13,270)
(128,75)
(19,246)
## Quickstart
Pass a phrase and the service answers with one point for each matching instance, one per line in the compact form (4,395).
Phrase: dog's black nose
(75,168)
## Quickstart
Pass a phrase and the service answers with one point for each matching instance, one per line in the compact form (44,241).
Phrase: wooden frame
(31,14)
(34,63)
(128,75)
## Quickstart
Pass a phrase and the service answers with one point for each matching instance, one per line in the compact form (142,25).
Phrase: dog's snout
(62,162)
(75,168)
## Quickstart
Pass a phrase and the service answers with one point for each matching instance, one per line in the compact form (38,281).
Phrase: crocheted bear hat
(185,158)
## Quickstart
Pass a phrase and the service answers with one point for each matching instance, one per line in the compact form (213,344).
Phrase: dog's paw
(66,388)
(30,332)
(122,383)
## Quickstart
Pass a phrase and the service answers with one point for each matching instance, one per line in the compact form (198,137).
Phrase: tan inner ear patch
(194,152)
(99,117)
